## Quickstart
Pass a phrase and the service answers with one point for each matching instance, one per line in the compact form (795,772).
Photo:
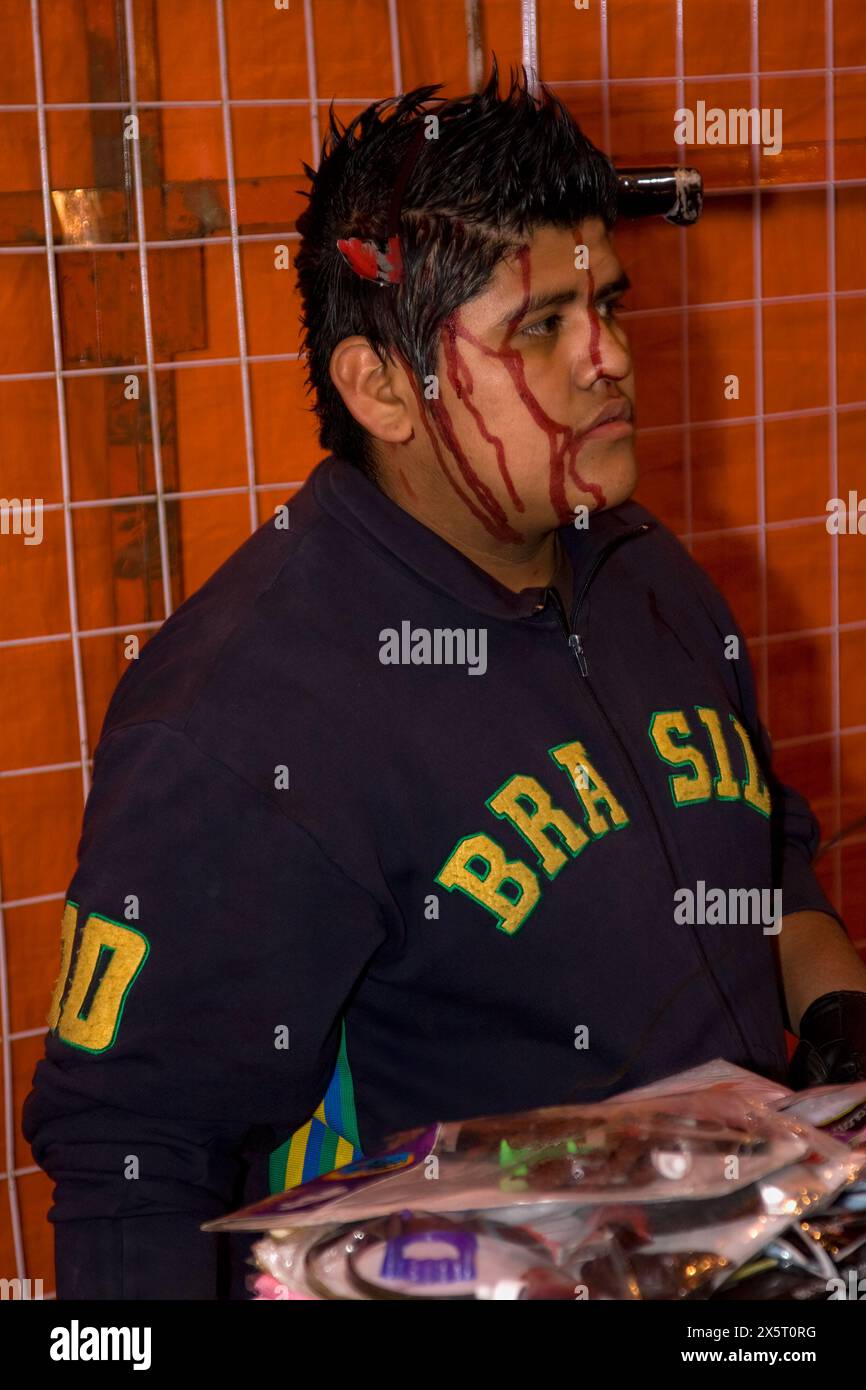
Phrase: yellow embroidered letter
(727,788)
(108,959)
(755,790)
(67,936)
(591,788)
(685,789)
(479,868)
(527,805)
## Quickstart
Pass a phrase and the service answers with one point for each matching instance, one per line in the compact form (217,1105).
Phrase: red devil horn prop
(372,260)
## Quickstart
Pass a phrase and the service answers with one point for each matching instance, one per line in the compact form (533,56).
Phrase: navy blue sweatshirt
(373,841)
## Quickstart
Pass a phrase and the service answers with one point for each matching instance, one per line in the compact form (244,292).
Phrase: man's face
(524,371)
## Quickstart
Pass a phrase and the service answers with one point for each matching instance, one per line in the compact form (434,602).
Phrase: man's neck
(538,565)
(536,571)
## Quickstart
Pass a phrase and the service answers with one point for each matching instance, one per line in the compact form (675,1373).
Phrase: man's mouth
(612,421)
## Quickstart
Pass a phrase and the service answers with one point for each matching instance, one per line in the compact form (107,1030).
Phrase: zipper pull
(576,646)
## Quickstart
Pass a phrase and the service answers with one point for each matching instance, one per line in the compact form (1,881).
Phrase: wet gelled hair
(502,165)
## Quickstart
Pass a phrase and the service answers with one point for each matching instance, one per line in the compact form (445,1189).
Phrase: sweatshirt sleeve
(795,831)
(208,948)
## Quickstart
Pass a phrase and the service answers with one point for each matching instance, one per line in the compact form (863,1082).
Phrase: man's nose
(600,349)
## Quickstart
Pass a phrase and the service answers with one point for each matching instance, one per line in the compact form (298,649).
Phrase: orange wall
(748,494)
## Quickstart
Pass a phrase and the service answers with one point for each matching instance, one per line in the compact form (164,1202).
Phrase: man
(395,818)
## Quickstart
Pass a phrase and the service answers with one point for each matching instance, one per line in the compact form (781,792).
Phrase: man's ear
(376,392)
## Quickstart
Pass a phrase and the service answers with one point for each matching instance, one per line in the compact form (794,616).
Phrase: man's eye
(544,328)
(609,309)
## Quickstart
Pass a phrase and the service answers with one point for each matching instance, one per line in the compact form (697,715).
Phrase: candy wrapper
(839,1111)
(821,1256)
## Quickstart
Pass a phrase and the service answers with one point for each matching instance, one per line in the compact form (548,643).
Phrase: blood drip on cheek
(405,481)
(563,442)
(485,508)
(461,379)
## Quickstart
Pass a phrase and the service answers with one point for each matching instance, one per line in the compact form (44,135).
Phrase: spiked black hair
(495,167)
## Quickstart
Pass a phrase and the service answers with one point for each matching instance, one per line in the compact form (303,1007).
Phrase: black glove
(832,1045)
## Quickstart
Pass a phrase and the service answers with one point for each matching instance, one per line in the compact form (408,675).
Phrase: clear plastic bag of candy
(562,1247)
(644,1149)
(552,1251)
(701,1144)
(661,1193)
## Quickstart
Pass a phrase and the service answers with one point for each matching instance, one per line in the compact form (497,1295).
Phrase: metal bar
(9,1118)
(474,45)
(396,55)
(604,41)
(529,41)
(172,244)
(313,100)
(832,390)
(153,400)
(249,440)
(62,422)
(213,104)
(193,365)
(685,348)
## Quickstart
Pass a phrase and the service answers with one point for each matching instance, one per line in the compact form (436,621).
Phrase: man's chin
(616,476)
(599,495)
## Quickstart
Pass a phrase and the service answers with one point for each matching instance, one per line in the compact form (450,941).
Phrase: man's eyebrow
(549,299)
(609,287)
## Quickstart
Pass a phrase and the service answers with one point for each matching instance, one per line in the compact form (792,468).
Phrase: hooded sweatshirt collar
(348,495)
